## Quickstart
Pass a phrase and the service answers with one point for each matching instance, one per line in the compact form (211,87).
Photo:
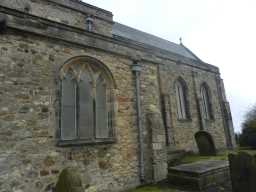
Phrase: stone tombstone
(69,181)
(2,23)
(243,172)
(205,143)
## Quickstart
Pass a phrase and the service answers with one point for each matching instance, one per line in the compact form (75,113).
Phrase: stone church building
(80,90)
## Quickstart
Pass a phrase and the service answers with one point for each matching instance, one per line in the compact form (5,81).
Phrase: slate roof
(146,38)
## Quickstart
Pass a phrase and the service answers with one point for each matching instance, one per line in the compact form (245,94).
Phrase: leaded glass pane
(68,109)
(102,128)
(86,115)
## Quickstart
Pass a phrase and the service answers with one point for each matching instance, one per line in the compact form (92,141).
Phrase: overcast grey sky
(220,32)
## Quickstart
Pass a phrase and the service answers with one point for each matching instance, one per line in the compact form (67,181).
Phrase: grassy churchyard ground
(157,188)
(189,158)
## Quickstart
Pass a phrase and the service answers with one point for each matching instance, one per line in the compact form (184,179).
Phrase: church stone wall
(30,160)
(215,126)
(30,59)
(182,132)
(29,157)
(153,130)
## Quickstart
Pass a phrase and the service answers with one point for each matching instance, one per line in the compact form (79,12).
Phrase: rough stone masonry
(144,95)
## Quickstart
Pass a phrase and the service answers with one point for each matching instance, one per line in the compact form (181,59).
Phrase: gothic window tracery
(86,103)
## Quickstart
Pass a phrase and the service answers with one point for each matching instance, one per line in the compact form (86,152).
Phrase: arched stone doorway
(205,143)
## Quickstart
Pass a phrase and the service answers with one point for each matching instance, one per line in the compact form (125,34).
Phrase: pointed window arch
(206,102)
(181,99)
(87,108)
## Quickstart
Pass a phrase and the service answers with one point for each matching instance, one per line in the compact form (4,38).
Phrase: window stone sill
(209,120)
(68,143)
(184,120)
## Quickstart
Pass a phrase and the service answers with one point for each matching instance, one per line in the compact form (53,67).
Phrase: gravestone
(205,176)
(205,143)
(69,181)
(2,23)
(243,172)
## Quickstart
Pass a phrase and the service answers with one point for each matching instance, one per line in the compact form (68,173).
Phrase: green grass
(154,188)
(247,150)
(191,158)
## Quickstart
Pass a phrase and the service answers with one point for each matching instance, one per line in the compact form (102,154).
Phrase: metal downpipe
(136,69)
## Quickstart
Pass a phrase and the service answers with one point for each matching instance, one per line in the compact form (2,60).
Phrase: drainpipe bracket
(136,67)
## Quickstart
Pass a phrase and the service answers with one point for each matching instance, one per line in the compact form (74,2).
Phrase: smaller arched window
(206,102)
(181,99)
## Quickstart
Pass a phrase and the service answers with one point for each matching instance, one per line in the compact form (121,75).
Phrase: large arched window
(206,102)
(181,99)
(86,104)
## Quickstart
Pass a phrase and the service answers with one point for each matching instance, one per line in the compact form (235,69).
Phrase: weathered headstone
(205,143)
(243,172)
(2,23)
(69,181)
